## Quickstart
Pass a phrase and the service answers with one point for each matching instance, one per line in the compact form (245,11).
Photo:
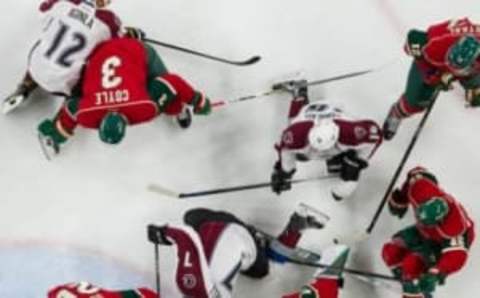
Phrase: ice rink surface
(83,215)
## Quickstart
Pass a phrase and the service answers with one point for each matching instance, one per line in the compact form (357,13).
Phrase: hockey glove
(280,179)
(48,130)
(136,33)
(395,208)
(446,81)
(201,104)
(472,96)
(352,165)
(428,282)
(156,234)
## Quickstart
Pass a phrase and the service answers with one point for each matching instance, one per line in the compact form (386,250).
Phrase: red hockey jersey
(86,290)
(455,232)
(116,80)
(442,36)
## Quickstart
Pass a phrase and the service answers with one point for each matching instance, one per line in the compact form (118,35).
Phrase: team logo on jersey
(189,281)
(360,132)
(288,138)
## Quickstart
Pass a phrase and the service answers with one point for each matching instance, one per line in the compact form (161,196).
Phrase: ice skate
(13,101)
(391,125)
(184,119)
(295,87)
(307,217)
(49,148)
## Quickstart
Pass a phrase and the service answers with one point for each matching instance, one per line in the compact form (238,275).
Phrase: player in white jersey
(319,131)
(71,30)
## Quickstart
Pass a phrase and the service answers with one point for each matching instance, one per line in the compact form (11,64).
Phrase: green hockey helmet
(112,128)
(463,54)
(433,211)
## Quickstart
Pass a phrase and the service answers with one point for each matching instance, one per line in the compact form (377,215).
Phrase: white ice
(83,216)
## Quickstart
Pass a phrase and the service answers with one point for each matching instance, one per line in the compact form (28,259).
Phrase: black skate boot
(184,119)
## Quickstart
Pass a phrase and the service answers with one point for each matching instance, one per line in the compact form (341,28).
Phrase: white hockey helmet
(324,135)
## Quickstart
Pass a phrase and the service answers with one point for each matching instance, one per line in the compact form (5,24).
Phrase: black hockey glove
(395,210)
(334,164)
(156,234)
(136,33)
(280,180)
(352,165)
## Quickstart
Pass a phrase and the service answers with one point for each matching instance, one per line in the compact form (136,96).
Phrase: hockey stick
(249,61)
(413,141)
(305,257)
(313,83)
(170,193)
(346,270)
(157,269)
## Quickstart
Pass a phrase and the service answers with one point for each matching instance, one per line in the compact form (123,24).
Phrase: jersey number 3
(67,50)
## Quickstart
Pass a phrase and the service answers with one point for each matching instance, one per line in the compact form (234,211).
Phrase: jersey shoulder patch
(358,132)
(296,135)
(110,20)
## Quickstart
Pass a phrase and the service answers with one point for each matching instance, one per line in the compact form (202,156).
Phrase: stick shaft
(405,157)
(249,61)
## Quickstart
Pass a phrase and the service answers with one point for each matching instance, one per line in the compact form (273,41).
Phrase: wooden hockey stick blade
(163,191)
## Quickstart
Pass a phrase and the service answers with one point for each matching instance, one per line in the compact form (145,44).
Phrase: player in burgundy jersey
(86,290)
(125,83)
(214,247)
(71,29)
(445,53)
(424,254)
(320,131)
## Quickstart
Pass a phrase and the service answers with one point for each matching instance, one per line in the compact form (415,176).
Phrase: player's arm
(453,258)
(283,169)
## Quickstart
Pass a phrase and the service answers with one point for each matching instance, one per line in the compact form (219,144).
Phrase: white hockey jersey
(72,29)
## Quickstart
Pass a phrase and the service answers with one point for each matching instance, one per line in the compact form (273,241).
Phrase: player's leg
(24,89)
(202,219)
(299,91)
(415,99)
(304,217)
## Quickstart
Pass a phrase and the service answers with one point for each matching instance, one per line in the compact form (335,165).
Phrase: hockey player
(71,30)
(318,130)
(326,282)
(445,53)
(437,246)
(216,246)
(86,290)
(125,83)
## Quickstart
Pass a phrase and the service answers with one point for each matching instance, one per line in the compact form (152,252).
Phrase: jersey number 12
(78,43)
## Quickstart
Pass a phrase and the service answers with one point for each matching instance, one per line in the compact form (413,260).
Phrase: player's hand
(281,180)
(134,32)
(48,129)
(156,234)
(202,105)
(416,40)
(395,210)
(446,81)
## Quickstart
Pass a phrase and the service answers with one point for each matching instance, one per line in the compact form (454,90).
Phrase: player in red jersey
(437,246)
(214,247)
(71,30)
(125,83)
(319,131)
(86,290)
(445,53)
